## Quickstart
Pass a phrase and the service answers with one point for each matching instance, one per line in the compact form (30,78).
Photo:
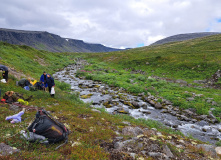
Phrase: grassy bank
(88,128)
(190,60)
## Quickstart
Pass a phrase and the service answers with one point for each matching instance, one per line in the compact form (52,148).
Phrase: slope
(49,42)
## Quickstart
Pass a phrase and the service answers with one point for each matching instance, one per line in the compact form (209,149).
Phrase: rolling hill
(183,37)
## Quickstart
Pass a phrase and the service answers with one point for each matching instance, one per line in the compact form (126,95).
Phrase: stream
(99,94)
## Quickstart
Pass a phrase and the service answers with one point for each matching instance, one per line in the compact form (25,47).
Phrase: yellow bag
(33,83)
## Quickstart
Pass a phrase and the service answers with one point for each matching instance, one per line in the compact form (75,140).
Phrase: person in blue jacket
(50,83)
(43,79)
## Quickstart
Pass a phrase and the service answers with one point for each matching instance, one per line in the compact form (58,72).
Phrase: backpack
(47,126)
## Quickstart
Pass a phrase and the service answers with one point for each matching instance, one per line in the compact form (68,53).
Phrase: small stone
(95,110)
(190,99)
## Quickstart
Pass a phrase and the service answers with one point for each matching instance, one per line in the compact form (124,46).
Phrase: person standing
(5,72)
(43,79)
(50,83)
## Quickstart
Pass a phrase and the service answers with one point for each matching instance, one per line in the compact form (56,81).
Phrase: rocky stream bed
(117,101)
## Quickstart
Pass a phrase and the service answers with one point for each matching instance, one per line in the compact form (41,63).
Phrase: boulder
(167,151)
(133,131)
(6,150)
(135,104)
(152,103)
(218,150)
(208,148)
(158,106)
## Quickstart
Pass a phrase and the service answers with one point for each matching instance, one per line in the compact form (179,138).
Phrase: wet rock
(146,112)
(204,129)
(123,111)
(134,131)
(143,105)
(6,150)
(158,106)
(208,148)
(167,151)
(152,102)
(202,117)
(135,105)
(184,118)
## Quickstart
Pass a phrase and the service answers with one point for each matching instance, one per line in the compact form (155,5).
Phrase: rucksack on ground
(47,126)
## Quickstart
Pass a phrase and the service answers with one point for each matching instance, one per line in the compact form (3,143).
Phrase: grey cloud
(112,22)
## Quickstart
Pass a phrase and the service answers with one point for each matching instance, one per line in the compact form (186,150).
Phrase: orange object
(3,100)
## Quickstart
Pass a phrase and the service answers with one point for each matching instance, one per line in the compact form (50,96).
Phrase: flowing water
(201,130)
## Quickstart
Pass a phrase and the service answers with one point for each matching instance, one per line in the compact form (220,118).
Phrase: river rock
(152,103)
(134,131)
(7,150)
(135,104)
(158,106)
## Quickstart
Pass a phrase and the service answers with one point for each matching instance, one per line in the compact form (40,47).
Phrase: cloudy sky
(114,23)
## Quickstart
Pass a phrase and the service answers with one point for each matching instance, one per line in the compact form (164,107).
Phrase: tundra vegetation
(135,70)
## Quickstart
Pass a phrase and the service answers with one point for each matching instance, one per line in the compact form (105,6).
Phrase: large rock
(136,105)
(158,106)
(167,151)
(208,148)
(7,150)
(218,150)
(132,131)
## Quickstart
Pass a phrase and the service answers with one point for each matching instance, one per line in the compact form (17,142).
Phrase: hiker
(16,118)
(43,80)
(5,72)
(51,84)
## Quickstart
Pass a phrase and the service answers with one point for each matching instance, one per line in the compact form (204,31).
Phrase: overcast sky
(113,23)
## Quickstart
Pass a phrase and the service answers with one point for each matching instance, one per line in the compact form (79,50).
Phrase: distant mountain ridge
(50,42)
(183,37)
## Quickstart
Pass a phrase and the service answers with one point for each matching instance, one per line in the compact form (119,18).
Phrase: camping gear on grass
(52,91)
(33,137)
(47,126)
(3,81)
(16,118)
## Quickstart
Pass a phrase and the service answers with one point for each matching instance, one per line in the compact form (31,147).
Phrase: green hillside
(151,69)
(92,133)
